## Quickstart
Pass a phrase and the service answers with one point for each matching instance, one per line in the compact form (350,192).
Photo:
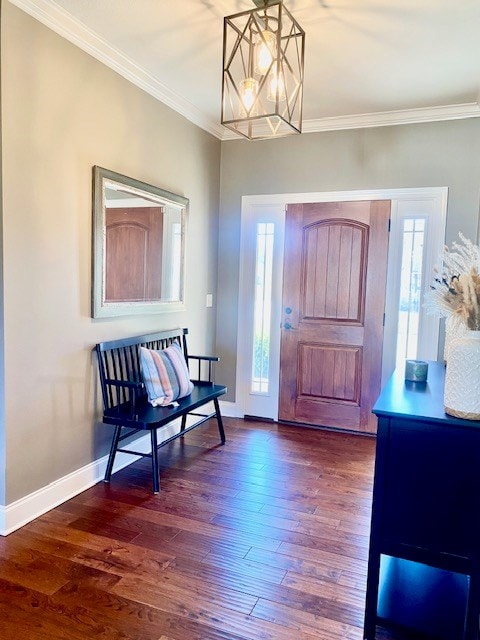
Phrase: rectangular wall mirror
(138,247)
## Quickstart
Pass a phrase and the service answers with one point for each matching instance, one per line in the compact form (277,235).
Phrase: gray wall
(64,112)
(423,155)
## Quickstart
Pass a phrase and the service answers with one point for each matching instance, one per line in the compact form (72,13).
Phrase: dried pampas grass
(456,289)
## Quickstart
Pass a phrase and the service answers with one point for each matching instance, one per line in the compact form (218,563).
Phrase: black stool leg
(219,420)
(113,451)
(155,471)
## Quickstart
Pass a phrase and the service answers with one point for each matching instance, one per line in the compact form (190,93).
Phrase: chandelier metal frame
(263,100)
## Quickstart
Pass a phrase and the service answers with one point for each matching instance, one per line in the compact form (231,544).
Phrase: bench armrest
(202,376)
(124,383)
(121,387)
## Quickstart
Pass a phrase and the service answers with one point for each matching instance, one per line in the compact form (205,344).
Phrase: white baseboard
(22,511)
(26,509)
(230,409)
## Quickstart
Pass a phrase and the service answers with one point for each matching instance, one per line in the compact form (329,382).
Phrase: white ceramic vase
(454,328)
(462,379)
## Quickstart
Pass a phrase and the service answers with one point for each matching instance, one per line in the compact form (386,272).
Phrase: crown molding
(63,23)
(384,119)
(391,118)
(57,19)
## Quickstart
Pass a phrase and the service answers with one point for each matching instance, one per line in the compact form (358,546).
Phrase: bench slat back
(119,360)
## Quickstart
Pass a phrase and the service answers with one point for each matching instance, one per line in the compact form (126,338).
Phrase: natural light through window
(410,289)
(176,261)
(262,307)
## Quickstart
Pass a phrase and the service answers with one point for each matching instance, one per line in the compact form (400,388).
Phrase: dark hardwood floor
(263,539)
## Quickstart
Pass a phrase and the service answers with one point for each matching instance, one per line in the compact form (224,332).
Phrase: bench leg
(219,420)
(155,471)
(113,451)
(184,422)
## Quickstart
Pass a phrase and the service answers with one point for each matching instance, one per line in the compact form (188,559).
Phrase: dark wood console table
(426,496)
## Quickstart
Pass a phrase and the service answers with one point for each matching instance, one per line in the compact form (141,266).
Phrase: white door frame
(434,202)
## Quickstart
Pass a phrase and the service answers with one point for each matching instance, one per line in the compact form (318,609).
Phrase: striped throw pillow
(165,374)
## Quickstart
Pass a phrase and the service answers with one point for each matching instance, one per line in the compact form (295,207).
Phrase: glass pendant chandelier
(263,69)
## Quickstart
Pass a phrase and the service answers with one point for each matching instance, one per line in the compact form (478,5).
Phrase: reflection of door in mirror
(134,253)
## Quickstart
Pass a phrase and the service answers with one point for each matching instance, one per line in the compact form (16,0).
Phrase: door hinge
(383,319)
(389,224)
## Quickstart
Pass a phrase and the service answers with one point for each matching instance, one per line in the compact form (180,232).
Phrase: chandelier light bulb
(276,86)
(248,93)
(265,51)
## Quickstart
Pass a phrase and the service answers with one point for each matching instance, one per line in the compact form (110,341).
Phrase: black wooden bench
(125,398)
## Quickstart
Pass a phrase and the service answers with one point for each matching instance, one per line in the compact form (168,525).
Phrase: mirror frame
(100,307)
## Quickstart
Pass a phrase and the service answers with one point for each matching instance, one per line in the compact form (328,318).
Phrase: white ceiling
(368,62)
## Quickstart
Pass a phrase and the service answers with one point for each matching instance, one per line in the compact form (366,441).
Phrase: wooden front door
(335,268)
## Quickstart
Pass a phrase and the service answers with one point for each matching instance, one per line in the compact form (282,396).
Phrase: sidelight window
(413,238)
(262,308)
